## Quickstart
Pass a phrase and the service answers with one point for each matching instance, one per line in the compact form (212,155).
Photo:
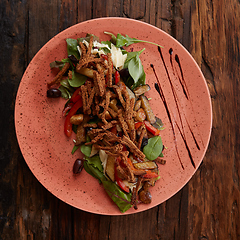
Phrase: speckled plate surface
(184,106)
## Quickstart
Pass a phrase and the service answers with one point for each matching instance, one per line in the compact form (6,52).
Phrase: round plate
(184,107)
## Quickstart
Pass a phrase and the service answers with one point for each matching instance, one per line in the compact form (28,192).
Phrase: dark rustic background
(208,207)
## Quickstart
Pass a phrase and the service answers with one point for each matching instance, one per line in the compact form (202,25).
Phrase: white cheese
(117,57)
(103,157)
(100,45)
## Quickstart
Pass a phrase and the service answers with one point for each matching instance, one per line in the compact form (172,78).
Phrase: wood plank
(208,206)
(107,8)
(84,10)
(68,14)
(214,190)
(12,40)
(41,29)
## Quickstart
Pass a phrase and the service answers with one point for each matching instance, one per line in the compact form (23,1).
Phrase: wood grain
(214,191)
(208,206)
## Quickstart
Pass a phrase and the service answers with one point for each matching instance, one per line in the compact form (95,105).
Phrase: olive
(78,166)
(144,142)
(53,93)
(124,73)
(73,59)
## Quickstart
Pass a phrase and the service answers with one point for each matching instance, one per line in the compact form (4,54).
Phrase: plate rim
(121,19)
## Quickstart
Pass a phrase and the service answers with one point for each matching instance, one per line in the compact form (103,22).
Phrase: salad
(107,110)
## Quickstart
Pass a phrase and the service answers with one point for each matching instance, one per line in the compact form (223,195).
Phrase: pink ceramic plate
(184,107)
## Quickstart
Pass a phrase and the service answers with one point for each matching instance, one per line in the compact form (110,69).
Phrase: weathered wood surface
(208,207)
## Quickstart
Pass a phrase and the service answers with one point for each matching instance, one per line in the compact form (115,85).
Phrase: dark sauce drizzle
(181,80)
(185,91)
(160,91)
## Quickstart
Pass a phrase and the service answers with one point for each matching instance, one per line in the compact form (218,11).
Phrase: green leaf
(121,199)
(86,150)
(131,55)
(72,47)
(127,41)
(65,83)
(57,64)
(93,166)
(107,43)
(135,68)
(87,38)
(77,79)
(75,148)
(154,147)
(74,128)
(161,155)
(95,161)
(93,171)
(64,92)
(113,37)
(60,64)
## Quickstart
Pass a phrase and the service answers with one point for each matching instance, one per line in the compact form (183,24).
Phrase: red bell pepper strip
(75,97)
(67,108)
(114,130)
(138,125)
(150,174)
(117,77)
(73,110)
(119,181)
(104,56)
(151,128)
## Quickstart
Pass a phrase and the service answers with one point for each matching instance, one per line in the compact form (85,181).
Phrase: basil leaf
(131,55)
(141,81)
(72,47)
(77,79)
(135,68)
(154,147)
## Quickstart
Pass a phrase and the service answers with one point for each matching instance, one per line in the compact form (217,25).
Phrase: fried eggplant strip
(58,77)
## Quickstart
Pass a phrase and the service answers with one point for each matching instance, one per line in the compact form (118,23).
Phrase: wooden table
(208,207)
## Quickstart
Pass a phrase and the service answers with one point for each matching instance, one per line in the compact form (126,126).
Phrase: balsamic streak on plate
(186,94)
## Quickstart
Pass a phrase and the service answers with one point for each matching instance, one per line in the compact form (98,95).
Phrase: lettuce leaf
(93,166)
